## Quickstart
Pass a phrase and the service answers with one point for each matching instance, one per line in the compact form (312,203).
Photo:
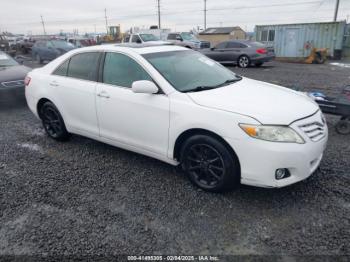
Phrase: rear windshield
(148,37)
(257,44)
(61,44)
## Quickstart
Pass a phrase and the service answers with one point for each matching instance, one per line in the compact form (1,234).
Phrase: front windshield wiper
(199,88)
(202,88)
(230,81)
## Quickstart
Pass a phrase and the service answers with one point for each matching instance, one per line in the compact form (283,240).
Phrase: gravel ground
(87,198)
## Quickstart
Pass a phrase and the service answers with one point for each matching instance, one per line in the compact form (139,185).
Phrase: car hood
(269,104)
(13,73)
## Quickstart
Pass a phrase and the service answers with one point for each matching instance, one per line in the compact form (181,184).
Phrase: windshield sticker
(3,57)
(206,61)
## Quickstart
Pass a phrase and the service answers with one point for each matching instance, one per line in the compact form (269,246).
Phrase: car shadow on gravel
(13,104)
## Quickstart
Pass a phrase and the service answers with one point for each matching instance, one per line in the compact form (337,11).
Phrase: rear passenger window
(171,37)
(135,39)
(62,69)
(221,45)
(84,66)
(121,70)
(233,45)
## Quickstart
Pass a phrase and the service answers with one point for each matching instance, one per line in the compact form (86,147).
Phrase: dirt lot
(85,197)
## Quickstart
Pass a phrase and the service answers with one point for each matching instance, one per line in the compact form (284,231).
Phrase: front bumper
(260,159)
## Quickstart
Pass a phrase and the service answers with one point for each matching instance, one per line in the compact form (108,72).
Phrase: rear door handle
(54,83)
(103,94)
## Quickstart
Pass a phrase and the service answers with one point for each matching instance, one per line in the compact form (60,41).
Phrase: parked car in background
(47,50)
(4,44)
(148,39)
(241,52)
(187,40)
(81,42)
(25,45)
(12,76)
(176,105)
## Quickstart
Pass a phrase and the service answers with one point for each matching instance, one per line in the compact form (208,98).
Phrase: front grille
(314,130)
(205,44)
(17,83)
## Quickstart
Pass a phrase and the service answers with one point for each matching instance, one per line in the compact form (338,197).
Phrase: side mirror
(212,48)
(139,41)
(144,87)
(179,38)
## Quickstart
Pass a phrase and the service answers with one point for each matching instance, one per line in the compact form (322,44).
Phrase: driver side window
(121,70)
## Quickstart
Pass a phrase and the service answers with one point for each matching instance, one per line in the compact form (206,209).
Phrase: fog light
(282,173)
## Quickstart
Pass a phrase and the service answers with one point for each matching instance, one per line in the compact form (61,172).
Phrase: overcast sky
(23,16)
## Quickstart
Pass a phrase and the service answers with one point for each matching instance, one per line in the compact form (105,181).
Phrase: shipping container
(297,40)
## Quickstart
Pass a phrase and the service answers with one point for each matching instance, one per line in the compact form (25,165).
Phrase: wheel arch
(243,55)
(40,103)
(181,139)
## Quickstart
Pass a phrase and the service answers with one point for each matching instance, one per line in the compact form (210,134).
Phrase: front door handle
(103,94)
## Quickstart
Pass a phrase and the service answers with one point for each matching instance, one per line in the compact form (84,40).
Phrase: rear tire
(209,164)
(243,61)
(53,122)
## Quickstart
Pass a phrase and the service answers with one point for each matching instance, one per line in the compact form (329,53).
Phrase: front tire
(343,126)
(209,164)
(243,61)
(53,122)
(39,59)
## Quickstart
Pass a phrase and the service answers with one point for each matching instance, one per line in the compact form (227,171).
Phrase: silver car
(188,40)
(241,52)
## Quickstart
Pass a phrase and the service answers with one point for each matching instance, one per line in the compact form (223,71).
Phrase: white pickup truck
(141,38)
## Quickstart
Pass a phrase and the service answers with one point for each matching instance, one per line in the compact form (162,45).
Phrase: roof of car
(137,48)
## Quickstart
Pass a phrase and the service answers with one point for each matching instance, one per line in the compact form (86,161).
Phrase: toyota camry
(181,107)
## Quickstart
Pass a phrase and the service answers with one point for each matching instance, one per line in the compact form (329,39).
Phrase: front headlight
(273,133)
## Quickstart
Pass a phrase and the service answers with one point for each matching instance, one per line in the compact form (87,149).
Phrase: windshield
(6,60)
(188,36)
(148,37)
(189,71)
(259,44)
(61,44)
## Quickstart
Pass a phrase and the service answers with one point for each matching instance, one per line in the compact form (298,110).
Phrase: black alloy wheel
(53,122)
(209,164)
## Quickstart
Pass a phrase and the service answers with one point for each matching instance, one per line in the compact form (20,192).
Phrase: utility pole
(159,25)
(205,14)
(336,11)
(43,23)
(106,20)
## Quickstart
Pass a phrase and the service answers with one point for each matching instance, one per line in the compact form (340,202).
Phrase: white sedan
(178,106)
